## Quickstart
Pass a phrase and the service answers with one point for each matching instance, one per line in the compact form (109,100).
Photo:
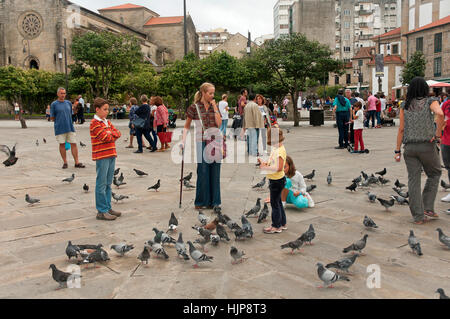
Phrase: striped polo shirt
(103,137)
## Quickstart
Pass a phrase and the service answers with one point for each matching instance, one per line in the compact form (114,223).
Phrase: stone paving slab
(35,236)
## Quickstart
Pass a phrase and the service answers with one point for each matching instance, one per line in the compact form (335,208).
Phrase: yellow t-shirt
(273,161)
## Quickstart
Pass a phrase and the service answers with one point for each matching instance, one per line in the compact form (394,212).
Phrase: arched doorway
(34,64)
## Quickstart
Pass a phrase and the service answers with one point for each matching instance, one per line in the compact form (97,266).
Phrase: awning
(436,84)
(398,87)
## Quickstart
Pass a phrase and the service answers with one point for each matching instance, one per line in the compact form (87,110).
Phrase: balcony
(365,36)
(365,12)
(363,25)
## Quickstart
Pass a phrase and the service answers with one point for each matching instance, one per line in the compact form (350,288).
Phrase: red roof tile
(364,52)
(397,31)
(165,20)
(123,6)
(434,24)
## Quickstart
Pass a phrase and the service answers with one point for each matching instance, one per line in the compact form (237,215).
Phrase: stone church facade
(32,32)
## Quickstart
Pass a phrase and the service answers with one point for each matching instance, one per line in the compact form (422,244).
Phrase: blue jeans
(342,118)
(300,201)
(378,118)
(263,133)
(146,133)
(223,128)
(371,116)
(105,174)
(252,141)
(208,181)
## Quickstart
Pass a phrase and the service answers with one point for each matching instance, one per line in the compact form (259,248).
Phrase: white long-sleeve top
(298,183)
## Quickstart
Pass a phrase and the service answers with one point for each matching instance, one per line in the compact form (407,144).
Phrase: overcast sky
(234,15)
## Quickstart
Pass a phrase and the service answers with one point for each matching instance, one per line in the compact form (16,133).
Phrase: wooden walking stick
(182,173)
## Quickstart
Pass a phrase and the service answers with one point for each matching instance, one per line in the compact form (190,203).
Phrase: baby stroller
(172,120)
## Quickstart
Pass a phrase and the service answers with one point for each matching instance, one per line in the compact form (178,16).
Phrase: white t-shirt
(383,104)
(361,100)
(359,122)
(223,110)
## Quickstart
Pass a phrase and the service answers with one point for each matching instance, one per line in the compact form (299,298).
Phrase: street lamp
(65,61)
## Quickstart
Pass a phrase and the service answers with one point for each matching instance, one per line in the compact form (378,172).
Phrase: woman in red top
(161,120)
(445,143)
(103,138)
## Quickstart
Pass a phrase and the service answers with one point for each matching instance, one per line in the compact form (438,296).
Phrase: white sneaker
(310,200)
(446,198)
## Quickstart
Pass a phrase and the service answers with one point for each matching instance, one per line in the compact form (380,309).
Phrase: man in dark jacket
(342,109)
(143,112)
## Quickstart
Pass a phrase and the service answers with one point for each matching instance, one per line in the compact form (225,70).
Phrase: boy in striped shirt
(103,137)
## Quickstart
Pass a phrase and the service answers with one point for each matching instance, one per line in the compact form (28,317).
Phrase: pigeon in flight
(358,246)
(400,192)
(145,255)
(82,144)
(11,153)
(293,245)
(238,256)
(352,187)
(372,197)
(414,243)
(443,238)
(310,188)
(140,173)
(122,249)
(72,251)
(386,203)
(86,188)
(398,184)
(260,184)
(329,178)
(381,173)
(343,264)
(400,200)
(30,200)
(445,185)
(119,198)
(328,276)
(188,185)
(156,186)
(442,294)
(369,223)
(308,236)
(264,213)
(180,246)
(117,183)
(173,223)
(255,210)
(62,277)
(197,256)
(69,179)
(310,176)
(158,249)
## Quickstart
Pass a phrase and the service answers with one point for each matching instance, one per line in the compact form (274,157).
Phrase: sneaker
(272,230)
(446,198)
(284,227)
(138,152)
(114,213)
(106,216)
(355,152)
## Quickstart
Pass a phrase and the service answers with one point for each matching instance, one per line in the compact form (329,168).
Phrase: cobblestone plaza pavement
(34,237)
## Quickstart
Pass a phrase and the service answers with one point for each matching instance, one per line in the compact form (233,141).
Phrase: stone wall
(236,46)
(136,18)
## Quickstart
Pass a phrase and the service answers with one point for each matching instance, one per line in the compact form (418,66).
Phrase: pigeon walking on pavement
(400,192)
(117,183)
(357,180)
(180,246)
(11,153)
(158,249)
(372,197)
(400,200)
(445,185)
(69,179)
(117,171)
(308,236)
(62,277)
(238,256)
(198,256)
(343,264)
(30,200)
(188,185)
(162,238)
(247,227)
(443,238)
(144,256)
(222,232)
(264,214)
(293,245)
(173,223)
(381,173)
(310,176)
(414,244)
(369,223)
(398,184)
(121,178)
(156,186)
(140,173)
(202,218)
(364,175)
(442,294)
(329,277)
(255,210)
(329,178)
(260,184)
(122,248)
(352,187)
(357,246)
(99,255)
(188,178)
(82,144)
(86,188)
(386,203)
(310,188)
(72,251)
(119,198)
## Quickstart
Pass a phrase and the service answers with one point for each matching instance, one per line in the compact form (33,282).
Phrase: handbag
(139,123)
(209,141)
(165,137)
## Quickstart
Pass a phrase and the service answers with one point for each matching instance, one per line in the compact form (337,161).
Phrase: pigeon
(117,171)
(239,233)
(398,184)
(310,176)
(86,188)
(30,200)
(212,225)
(158,249)
(381,173)
(255,210)
(197,256)
(122,249)
(364,175)
(222,232)
(203,232)
(308,236)
(44,140)
(82,144)
(443,238)
(121,178)
(329,178)
(180,246)
(69,179)
(414,243)
(62,277)
(247,227)
(373,180)
(369,223)
(260,184)
(117,183)
(385,203)
(358,246)
(372,197)
(11,153)
(223,218)
(343,264)
(217,210)
(188,185)
(188,178)
(202,242)
(352,187)
(162,238)
(443,184)
(236,255)
(232,225)
(98,255)
(145,255)
(215,240)
(202,218)
(119,198)
(442,294)
(156,186)
(357,180)
(173,223)
(400,200)
(309,189)
(382,180)
(328,276)
(264,213)
(293,245)
(140,173)
(400,192)
(72,250)
(364,184)
(37,142)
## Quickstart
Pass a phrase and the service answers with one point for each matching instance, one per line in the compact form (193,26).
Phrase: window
(336,79)
(360,62)
(9,60)
(284,26)
(346,12)
(349,78)
(438,42)
(346,24)
(346,60)
(437,66)
(395,49)
(346,36)
(346,49)
(419,44)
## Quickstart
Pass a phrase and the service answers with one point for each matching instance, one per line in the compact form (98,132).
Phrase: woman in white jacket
(295,189)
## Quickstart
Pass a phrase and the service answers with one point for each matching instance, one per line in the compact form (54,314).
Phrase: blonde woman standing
(205,113)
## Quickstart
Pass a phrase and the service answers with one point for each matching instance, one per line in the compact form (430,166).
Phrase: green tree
(109,55)
(294,61)
(141,81)
(415,67)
